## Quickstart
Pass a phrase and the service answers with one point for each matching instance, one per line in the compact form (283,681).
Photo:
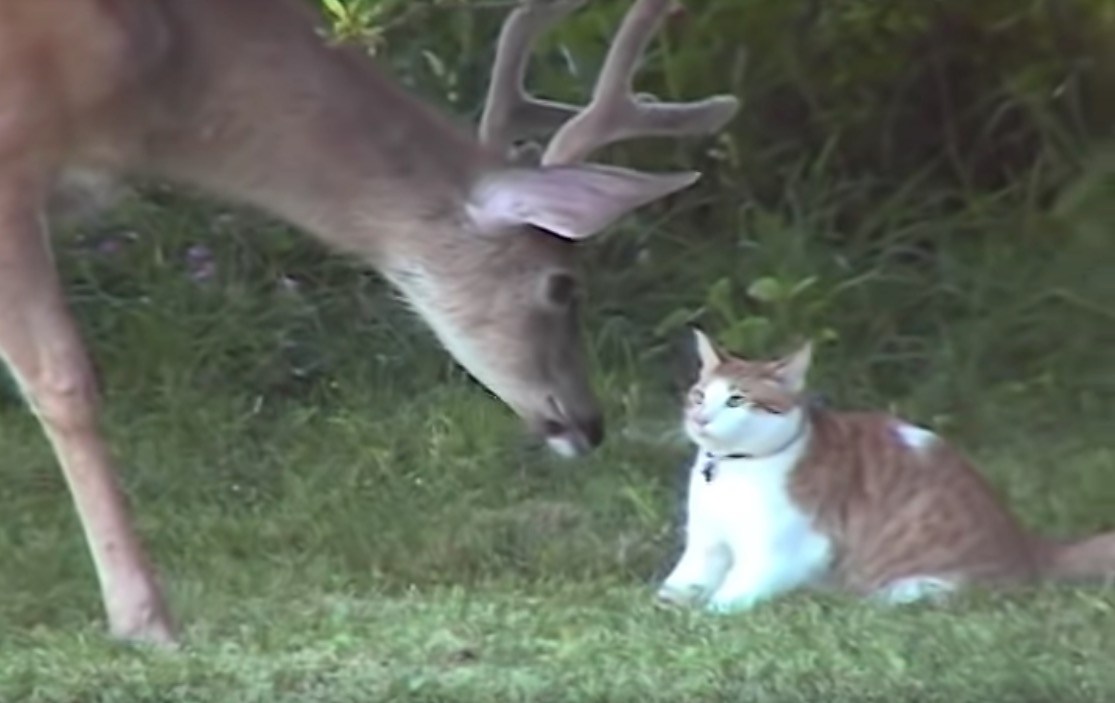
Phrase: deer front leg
(41,345)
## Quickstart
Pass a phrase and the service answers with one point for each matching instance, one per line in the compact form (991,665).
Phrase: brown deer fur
(246,100)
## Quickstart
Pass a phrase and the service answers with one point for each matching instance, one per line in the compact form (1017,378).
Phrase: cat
(785,494)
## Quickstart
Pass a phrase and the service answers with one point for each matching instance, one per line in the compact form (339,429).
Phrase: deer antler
(510,112)
(614,113)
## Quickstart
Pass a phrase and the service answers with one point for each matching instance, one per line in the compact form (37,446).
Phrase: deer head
(501,292)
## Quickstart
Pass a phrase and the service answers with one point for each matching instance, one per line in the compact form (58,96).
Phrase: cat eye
(736,400)
(696,396)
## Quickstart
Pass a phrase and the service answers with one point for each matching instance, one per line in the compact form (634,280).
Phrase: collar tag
(709,468)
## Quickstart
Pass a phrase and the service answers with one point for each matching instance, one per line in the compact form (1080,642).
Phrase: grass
(340,515)
(333,555)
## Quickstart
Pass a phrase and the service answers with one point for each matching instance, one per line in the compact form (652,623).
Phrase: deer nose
(574,438)
(574,435)
(593,430)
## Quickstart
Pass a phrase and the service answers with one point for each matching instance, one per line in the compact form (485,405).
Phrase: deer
(250,102)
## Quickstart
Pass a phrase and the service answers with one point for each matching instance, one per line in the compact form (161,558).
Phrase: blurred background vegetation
(926,185)
(927,188)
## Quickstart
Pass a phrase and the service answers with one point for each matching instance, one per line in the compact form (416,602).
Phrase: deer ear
(574,202)
(793,368)
(707,352)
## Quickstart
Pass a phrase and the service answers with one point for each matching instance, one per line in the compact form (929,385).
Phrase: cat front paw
(722,607)
(725,604)
(679,594)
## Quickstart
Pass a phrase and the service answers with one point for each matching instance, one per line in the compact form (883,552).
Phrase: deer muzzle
(572,431)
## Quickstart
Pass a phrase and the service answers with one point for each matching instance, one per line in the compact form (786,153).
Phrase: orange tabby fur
(894,509)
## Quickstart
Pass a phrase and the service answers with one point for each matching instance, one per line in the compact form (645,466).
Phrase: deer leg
(40,342)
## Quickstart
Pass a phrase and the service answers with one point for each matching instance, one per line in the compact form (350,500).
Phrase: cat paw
(723,604)
(914,589)
(679,595)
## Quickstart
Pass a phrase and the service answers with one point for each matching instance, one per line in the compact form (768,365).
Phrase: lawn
(340,515)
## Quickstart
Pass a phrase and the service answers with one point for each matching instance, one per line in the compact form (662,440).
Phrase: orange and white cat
(784,494)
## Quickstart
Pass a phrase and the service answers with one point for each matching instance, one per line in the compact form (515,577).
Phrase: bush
(966,94)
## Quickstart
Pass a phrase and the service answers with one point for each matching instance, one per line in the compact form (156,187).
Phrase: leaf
(437,66)
(802,286)
(675,320)
(336,8)
(748,333)
(720,298)
(766,290)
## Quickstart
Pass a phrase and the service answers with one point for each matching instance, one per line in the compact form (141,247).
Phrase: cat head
(742,406)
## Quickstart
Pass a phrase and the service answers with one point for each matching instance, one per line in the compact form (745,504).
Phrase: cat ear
(706,351)
(793,368)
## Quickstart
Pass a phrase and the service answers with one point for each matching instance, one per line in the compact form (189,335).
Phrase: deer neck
(315,134)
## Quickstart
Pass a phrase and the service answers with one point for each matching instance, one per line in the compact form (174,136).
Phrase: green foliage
(925,187)
(888,159)
(975,94)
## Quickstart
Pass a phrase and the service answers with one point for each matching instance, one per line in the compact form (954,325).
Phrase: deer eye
(560,289)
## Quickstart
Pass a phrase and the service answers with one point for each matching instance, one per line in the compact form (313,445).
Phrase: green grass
(341,516)
(342,554)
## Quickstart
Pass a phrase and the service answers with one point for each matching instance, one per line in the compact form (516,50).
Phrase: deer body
(273,117)
(244,99)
